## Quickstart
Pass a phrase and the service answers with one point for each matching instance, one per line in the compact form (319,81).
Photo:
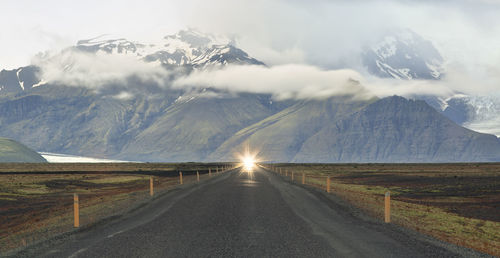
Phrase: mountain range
(206,124)
(402,54)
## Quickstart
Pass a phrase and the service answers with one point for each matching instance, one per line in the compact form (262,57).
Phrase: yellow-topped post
(76,209)
(151,191)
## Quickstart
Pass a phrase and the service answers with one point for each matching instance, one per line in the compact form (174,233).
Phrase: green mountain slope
(12,151)
(279,137)
(77,121)
(191,130)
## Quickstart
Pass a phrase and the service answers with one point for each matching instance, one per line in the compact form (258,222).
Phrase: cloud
(124,95)
(283,81)
(326,32)
(482,80)
(75,68)
(112,75)
(304,82)
(329,34)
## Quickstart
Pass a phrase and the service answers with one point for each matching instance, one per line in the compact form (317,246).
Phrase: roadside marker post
(76,206)
(209,172)
(151,190)
(303,178)
(328,184)
(197,176)
(180,178)
(387,207)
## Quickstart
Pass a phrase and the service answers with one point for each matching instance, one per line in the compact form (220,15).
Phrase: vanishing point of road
(242,214)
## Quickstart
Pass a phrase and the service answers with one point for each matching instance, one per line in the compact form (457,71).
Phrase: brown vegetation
(458,203)
(36,199)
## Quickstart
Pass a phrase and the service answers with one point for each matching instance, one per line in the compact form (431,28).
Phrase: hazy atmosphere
(250,128)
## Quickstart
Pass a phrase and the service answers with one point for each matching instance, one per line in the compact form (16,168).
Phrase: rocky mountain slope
(403,54)
(398,130)
(392,129)
(186,48)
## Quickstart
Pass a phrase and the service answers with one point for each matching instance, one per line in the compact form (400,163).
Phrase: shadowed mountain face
(143,121)
(12,151)
(387,130)
(281,136)
(398,130)
(192,129)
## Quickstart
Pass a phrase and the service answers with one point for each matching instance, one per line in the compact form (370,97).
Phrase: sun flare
(248,163)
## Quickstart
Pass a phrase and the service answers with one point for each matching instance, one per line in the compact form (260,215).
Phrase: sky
(318,32)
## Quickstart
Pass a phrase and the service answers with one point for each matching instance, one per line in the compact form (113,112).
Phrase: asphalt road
(242,214)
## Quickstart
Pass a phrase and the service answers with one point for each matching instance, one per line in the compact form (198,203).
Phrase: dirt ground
(468,195)
(470,190)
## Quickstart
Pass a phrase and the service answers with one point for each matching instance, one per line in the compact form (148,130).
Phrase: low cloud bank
(304,81)
(283,81)
(76,68)
(289,81)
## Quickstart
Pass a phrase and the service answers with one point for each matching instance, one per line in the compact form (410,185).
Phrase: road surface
(242,214)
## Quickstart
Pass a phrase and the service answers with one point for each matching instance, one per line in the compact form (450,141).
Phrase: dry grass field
(458,203)
(36,200)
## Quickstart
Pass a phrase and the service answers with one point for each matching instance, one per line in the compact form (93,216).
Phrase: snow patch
(18,79)
(42,82)
(64,158)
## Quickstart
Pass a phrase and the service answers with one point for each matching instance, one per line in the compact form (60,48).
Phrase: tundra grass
(422,196)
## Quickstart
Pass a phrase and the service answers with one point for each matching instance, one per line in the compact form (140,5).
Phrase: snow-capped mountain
(188,48)
(403,54)
(185,48)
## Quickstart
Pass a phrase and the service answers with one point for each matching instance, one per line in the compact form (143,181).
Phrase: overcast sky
(313,32)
